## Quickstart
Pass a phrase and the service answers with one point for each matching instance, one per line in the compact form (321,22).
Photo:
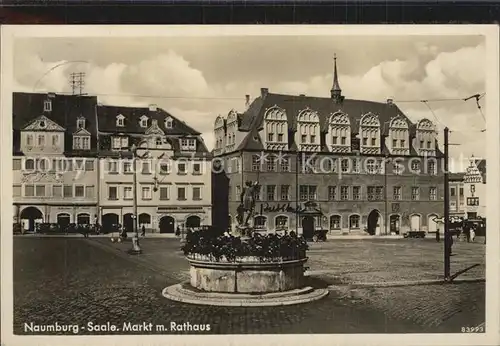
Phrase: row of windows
(146,193)
(47,165)
(335,193)
(146,167)
(122,142)
(54,190)
(335,221)
(272,163)
(143,121)
(282,222)
(80,142)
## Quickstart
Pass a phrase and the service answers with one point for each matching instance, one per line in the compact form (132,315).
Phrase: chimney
(390,101)
(153,108)
(264,92)
(51,95)
(247,101)
(302,95)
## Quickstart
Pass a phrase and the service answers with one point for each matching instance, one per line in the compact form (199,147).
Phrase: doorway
(394,224)
(415,223)
(373,223)
(128,222)
(431,224)
(308,227)
(83,219)
(167,224)
(109,222)
(63,220)
(193,221)
(30,217)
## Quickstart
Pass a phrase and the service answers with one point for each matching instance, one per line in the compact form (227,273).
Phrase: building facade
(457,195)
(348,166)
(475,190)
(54,159)
(172,170)
(468,191)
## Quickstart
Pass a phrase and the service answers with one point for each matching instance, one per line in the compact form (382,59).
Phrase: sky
(198,78)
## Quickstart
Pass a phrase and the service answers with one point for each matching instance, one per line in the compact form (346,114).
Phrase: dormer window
(119,143)
(80,123)
(369,130)
(120,120)
(169,123)
(47,106)
(143,121)
(188,144)
(81,142)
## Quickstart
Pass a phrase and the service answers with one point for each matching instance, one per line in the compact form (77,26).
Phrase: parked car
(415,234)
(318,235)
(17,228)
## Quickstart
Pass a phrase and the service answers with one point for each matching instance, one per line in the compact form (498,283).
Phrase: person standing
(143,233)
(438,236)
(473,233)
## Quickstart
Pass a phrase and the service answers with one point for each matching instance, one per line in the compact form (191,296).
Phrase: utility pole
(447,237)
(77,81)
(385,194)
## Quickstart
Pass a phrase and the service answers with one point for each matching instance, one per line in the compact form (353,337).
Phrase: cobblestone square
(76,281)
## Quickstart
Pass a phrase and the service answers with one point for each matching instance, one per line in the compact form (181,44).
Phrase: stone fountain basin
(246,275)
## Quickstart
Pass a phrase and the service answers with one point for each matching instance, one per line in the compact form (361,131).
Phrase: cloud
(176,81)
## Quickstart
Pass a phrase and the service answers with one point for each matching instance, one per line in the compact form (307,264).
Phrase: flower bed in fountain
(259,264)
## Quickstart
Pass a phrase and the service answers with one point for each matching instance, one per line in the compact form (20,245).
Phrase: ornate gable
(154,129)
(42,123)
(81,132)
(370,119)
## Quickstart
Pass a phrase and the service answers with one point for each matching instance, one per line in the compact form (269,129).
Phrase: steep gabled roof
(107,120)
(324,106)
(65,111)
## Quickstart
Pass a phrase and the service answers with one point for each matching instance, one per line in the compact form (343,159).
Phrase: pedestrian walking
(467,233)
(473,233)
(451,245)
(143,231)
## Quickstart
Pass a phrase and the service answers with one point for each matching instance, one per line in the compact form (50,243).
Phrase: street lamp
(135,241)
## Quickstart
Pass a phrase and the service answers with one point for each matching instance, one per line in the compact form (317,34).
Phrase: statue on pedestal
(246,208)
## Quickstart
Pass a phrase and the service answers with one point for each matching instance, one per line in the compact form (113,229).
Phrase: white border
(491,33)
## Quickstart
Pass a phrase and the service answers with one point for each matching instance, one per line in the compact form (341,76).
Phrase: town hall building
(334,163)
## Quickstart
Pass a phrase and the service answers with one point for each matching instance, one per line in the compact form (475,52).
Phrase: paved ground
(74,281)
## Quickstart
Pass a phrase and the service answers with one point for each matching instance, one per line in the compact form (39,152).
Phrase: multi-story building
(173,173)
(474,185)
(54,159)
(457,196)
(468,191)
(331,163)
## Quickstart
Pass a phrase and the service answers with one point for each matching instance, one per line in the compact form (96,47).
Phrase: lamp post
(447,236)
(135,241)
(386,160)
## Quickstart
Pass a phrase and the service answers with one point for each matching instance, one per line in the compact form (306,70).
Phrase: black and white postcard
(250,184)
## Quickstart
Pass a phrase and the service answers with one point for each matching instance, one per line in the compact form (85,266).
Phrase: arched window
(335,222)
(281,222)
(354,222)
(260,222)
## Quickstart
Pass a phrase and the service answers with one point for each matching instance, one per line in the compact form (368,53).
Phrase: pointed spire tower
(336,92)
